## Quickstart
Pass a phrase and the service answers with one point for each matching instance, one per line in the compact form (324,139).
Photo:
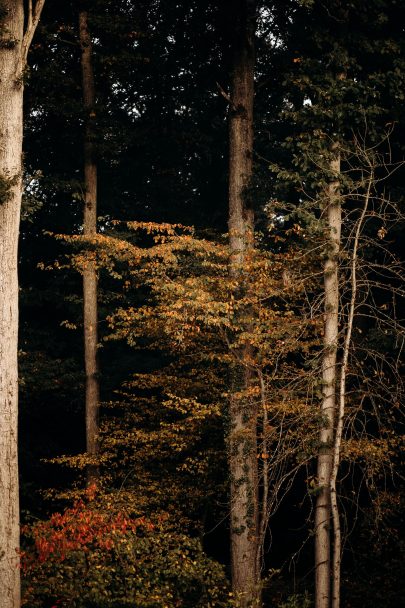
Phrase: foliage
(172,419)
(170,325)
(7,182)
(93,555)
(376,574)
(297,601)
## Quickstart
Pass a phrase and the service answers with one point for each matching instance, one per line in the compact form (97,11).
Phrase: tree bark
(326,435)
(14,45)
(263,510)
(337,534)
(90,310)
(243,415)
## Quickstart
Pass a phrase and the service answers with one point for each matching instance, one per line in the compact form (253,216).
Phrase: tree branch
(34,15)
(225,96)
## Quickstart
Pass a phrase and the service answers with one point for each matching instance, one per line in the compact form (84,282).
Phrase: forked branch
(33,17)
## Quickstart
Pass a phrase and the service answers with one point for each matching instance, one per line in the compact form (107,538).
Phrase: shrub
(88,557)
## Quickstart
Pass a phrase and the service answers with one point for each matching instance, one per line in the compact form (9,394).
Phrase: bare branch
(34,15)
(225,96)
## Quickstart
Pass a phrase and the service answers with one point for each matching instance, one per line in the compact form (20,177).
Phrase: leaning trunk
(90,312)
(242,438)
(11,122)
(326,436)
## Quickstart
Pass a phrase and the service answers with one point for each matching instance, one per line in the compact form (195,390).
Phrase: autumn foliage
(93,555)
(78,528)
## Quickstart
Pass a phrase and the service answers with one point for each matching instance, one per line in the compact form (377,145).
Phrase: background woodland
(224,182)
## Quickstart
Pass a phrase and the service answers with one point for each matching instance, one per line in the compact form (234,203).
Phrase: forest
(202,303)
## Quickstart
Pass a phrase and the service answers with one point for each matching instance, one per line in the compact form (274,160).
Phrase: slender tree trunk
(264,477)
(90,311)
(326,436)
(13,52)
(243,415)
(337,535)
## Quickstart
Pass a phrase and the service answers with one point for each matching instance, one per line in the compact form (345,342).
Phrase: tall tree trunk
(11,122)
(90,311)
(13,52)
(326,435)
(243,415)
(337,534)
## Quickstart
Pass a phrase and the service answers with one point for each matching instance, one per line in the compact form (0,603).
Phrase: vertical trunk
(90,313)
(11,122)
(337,534)
(241,217)
(242,437)
(326,436)
(14,45)
(264,476)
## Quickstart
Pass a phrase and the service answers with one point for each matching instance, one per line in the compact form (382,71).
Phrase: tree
(333,221)
(90,308)
(14,46)
(331,72)
(242,412)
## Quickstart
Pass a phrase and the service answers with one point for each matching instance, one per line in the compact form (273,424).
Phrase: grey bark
(243,415)
(337,533)
(328,407)
(90,309)
(13,52)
